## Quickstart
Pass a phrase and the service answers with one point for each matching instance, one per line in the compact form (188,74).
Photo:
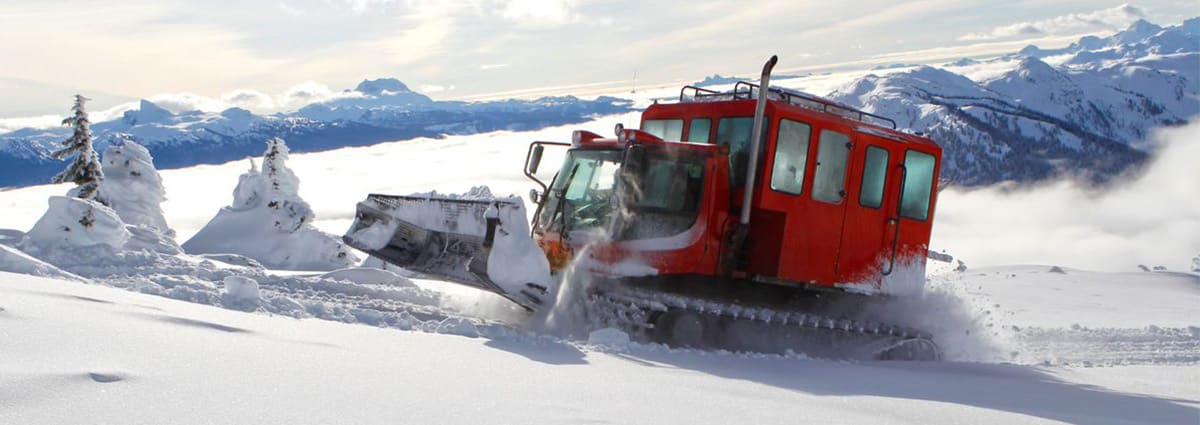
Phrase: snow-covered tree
(270,223)
(84,170)
(249,191)
(291,212)
(132,186)
(1196,264)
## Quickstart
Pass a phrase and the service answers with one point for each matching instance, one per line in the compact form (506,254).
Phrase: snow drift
(74,222)
(15,261)
(269,222)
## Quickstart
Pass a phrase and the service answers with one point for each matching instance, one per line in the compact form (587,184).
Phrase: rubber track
(633,308)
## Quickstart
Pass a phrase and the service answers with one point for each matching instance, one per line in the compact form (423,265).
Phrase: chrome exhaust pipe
(756,138)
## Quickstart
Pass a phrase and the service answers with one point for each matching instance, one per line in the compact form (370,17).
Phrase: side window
(875,170)
(791,155)
(918,185)
(737,133)
(698,132)
(829,181)
(665,129)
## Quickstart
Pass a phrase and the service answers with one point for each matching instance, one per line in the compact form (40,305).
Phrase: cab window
(736,132)
(829,181)
(791,156)
(698,131)
(665,129)
(874,177)
(918,185)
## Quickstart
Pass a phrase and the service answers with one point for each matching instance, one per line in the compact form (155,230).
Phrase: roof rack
(748,90)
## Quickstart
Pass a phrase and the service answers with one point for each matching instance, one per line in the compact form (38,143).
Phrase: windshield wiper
(562,201)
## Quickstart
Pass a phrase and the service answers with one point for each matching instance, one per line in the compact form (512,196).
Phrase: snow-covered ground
(85,353)
(1031,344)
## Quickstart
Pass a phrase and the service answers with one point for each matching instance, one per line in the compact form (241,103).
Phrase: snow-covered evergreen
(132,186)
(290,211)
(269,222)
(85,170)
(71,222)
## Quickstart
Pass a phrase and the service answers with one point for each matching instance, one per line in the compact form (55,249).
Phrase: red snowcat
(757,219)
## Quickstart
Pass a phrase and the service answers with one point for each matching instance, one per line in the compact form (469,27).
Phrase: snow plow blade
(481,243)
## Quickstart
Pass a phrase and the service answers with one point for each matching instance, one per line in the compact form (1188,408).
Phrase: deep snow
(85,351)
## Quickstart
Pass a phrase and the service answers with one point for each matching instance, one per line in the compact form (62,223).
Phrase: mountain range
(1086,110)
(375,111)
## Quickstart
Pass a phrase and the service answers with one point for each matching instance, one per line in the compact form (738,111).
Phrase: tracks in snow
(1079,346)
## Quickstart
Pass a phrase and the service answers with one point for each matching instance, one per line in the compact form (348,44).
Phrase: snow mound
(78,222)
(610,338)
(457,326)
(146,238)
(240,292)
(233,259)
(11,236)
(132,186)
(376,263)
(269,222)
(15,261)
(369,276)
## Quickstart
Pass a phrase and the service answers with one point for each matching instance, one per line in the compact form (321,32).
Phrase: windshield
(582,189)
(660,193)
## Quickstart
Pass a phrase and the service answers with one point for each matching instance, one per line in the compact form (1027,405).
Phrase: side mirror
(535,159)
(535,196)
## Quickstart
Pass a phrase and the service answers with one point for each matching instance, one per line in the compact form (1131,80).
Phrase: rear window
(874,177)
(665,129)
(698,131)
(791,156)
(829,181)
(918,185)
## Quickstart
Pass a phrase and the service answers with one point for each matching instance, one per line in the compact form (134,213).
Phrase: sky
(277,55)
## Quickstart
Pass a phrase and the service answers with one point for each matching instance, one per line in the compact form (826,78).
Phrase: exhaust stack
(756,138)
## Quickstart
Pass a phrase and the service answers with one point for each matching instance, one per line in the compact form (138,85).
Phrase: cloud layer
(1075,23)
(1153,219)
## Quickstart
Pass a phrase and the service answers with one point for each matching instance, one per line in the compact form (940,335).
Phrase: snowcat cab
(762,204)
(835,201)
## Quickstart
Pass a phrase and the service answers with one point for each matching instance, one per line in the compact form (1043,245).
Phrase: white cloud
(493,66)
(41,121)
(360,6)
(249,99)
(185,101)
(1076,23)
(422,35)
(541,12)
(1152,219)
(310,92)
(434,88)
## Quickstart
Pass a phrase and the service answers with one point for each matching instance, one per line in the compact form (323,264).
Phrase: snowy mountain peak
(1088,42)
(382,87)
(1138,30)
(1033,69)
(237,113)
(1191,26)
(147,113)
